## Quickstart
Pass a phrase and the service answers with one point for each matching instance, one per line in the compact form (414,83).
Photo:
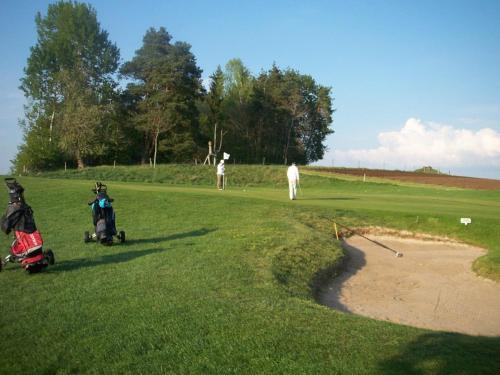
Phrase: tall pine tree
(167,82)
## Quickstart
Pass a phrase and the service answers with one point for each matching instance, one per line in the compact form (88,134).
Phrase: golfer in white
(293,179)
(220,175)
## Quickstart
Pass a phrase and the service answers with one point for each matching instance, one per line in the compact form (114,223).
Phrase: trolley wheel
(86,237)
(34,268)
(121,236)
(50,257)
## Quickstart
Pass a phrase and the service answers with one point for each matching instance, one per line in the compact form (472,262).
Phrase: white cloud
(418,143)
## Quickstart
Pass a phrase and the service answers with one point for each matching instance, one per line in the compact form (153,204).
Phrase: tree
(81,118)
(215,98)
(278,117)
(238,88)
(306,115)
(40,150)
(124,140)
(266,122)
(215,112)
(69,76)
(238,80)
(315,126)
(167,82)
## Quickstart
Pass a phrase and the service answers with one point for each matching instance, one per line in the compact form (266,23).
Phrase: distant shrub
(428,170)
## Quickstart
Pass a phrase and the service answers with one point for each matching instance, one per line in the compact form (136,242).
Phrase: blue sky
(414,82)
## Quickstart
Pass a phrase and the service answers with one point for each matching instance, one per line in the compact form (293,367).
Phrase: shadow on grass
(176,236)
(328,198)
(331,291)
(446,353)
(75,264)
(120,257)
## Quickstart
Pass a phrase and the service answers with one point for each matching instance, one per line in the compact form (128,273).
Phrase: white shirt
(220,168)
(293,173)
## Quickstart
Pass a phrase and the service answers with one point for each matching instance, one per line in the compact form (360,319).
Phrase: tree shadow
(176,236)
(75,264)
(121,257)
(331,292)
(446,353)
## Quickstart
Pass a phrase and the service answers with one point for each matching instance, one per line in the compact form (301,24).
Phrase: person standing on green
(220,175)
(293,179)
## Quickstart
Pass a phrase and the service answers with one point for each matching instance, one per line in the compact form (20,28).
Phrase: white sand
(431,286)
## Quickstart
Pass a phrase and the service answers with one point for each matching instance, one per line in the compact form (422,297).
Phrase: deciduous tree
(71,69)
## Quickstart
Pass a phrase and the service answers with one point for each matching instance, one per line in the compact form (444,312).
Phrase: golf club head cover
(15,190)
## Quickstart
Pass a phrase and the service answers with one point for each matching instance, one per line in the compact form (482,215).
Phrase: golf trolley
(103,218)
(32,262)
(27,247)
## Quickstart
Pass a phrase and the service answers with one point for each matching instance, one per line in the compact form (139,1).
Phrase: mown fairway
(221,282)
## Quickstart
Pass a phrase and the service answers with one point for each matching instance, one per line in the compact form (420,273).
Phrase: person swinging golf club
(293,179)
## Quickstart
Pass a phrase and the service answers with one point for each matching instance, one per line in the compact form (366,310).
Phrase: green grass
(223,282)
(240,175)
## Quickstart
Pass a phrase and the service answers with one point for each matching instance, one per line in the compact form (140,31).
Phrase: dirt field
(422,178)
(431,286)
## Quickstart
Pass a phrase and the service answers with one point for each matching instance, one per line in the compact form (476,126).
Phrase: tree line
(85,108)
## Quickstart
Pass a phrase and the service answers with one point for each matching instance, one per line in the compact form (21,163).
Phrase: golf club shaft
(369,239)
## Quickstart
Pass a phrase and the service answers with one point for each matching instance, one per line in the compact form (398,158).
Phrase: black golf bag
(103,217)
(27,247)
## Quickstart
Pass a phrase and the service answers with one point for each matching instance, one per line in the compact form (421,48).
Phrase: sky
(414,83)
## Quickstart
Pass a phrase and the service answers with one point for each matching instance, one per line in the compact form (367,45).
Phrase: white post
(51,122)
(210,152)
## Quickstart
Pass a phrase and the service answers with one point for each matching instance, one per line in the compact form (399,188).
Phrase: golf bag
(103,217)
(27,247)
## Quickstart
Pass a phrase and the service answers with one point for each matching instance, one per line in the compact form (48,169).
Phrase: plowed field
(421,178)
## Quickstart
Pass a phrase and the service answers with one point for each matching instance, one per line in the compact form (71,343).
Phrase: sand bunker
(431,286)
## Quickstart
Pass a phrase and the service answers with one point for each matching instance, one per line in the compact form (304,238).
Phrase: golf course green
(215,282)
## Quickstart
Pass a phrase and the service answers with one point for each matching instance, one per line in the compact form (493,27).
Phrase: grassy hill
(223,282)
(198,175)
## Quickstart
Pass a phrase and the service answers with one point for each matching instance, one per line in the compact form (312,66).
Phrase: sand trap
(431,286)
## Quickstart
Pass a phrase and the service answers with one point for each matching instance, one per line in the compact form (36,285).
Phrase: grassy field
(223,282)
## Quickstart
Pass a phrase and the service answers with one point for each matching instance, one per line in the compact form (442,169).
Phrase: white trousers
(292,188)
